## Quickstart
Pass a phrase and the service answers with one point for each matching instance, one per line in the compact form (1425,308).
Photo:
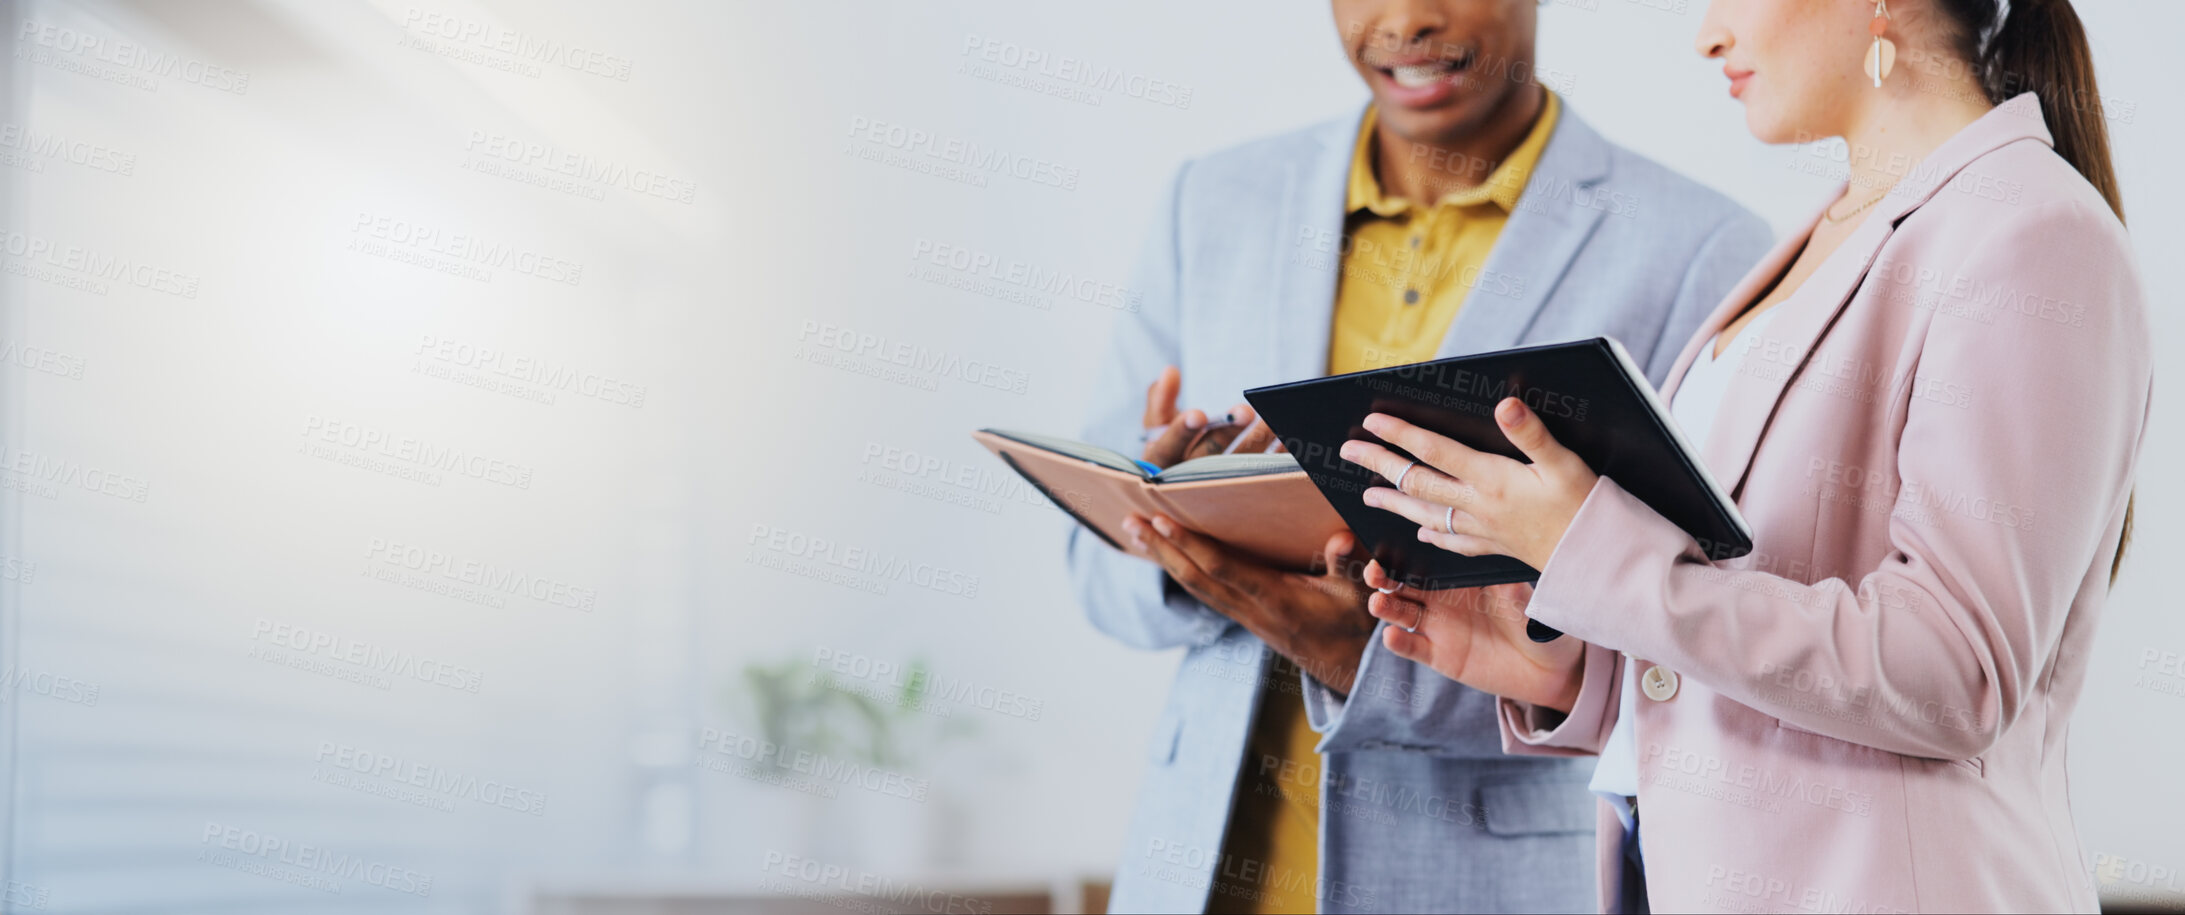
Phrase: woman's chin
(1768,126)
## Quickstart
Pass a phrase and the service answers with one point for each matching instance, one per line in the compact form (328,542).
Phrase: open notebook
(1261,504)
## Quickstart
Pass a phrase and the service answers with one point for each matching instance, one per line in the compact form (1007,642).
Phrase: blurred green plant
(799,707)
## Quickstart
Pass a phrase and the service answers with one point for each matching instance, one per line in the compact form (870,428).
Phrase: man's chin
(1439,126)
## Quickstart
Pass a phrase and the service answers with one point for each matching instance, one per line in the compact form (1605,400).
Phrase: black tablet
(1591,396)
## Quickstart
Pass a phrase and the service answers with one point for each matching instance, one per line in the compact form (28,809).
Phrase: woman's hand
(1503,507)
(1476,636)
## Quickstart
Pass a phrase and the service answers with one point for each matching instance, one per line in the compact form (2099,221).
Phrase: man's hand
(1317,620)
(1173,437)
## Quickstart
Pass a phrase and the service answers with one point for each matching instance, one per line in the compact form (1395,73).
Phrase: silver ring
(1449,520)
(1399,587)
(1414,627)
(1404,473)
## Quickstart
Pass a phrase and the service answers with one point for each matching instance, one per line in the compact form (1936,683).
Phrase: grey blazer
(1421,811)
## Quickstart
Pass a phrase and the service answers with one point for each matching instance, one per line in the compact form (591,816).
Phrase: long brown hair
(2040,47)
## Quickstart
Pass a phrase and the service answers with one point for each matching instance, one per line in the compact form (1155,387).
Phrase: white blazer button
(1659,683)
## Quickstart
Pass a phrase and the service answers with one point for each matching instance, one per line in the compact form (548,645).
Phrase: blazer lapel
(1314,193)
(1537,245)
(1789,340)
(1763,273)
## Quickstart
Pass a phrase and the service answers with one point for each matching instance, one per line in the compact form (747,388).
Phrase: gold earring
(1883,55)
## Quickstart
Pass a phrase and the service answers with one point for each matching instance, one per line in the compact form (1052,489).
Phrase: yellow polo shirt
(1406,270)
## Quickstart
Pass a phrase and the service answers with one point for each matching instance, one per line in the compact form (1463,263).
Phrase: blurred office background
(443,445)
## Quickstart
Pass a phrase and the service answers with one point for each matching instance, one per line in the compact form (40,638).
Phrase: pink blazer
(1933,442)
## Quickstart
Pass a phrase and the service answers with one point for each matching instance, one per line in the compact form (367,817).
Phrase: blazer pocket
(1785,725)
(1533,808)
(1166,733)
(1974,765)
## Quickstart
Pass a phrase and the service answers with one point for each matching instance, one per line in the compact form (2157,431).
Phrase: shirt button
(1659,683)
(1411,297)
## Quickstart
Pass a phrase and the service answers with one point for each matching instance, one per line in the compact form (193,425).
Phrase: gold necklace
(1877,198)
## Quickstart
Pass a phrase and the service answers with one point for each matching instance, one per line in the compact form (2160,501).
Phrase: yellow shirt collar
(1502,188)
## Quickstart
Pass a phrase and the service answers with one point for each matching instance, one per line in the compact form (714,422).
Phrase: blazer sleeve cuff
(1323,708)
(1531,730)
(1326,711)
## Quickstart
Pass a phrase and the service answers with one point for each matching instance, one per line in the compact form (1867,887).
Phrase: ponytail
(2040,47)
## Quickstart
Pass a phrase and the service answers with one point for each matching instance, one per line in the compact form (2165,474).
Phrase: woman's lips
(1738,81)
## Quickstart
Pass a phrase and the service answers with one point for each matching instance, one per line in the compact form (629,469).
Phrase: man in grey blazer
(1417,808)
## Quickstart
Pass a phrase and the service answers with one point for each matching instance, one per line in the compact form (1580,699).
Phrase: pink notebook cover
(1279,518)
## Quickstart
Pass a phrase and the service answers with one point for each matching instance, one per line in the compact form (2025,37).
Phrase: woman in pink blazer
(1930,406)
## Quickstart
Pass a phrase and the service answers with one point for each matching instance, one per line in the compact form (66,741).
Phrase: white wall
(716,307)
